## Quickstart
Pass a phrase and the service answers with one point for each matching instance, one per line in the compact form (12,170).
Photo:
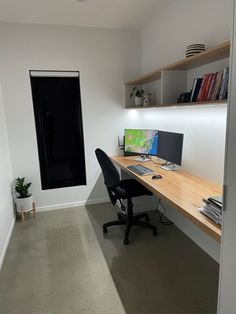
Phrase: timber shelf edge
(210,55)
(181,105)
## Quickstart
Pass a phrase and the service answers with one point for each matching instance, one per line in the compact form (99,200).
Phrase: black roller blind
(59,129)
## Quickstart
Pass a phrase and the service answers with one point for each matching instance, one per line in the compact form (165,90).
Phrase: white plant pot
(24,204)
(138,101)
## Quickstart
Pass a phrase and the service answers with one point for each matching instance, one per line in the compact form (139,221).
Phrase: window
(59,128)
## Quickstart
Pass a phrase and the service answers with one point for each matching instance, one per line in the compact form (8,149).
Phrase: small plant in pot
(138,94)
(24,199)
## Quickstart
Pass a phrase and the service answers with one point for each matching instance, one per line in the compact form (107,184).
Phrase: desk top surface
(180,190)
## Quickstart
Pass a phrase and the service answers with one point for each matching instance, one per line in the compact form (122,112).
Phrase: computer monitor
(141,142)
(170,146)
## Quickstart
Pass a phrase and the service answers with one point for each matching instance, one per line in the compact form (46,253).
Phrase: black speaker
(184,97)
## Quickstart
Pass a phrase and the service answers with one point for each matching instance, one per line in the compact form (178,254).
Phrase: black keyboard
(140,170)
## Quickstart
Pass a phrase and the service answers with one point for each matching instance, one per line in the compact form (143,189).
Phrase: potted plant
(24,199)
(138,92)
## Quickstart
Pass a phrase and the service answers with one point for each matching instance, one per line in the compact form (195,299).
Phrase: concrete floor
(168,274)
(54,264)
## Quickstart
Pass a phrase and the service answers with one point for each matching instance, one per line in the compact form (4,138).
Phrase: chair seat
(133,188)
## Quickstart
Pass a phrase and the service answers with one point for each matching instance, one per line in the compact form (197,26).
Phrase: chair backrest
(110,173)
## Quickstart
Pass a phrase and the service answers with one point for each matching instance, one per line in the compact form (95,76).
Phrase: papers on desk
(212,208)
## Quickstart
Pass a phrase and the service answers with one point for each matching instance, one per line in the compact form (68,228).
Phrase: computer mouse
(156,176)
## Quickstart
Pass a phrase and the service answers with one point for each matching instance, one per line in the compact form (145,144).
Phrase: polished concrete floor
(168,274)
(54,264)
(60,262)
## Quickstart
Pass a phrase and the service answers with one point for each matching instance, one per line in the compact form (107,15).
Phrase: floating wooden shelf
(152,76)
(180,105)
(167,83)
(211,55)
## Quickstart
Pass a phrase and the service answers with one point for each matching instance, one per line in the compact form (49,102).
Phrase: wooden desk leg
(34,208)
(22,214)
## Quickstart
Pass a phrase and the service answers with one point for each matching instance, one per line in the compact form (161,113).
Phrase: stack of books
(210,87)
(212,208)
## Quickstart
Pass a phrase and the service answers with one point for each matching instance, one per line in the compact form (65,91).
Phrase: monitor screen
(170,146)
(142,142)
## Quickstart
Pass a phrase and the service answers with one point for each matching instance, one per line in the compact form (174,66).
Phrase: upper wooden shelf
(211,55)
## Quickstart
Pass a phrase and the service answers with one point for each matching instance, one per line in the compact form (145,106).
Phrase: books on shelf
(202,88)
(224,84)
(212,208)
(196,86)
(211,87)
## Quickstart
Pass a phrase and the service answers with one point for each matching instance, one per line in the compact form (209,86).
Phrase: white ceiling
(126,14)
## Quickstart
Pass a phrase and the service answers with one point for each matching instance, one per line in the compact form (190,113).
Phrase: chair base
(134,221)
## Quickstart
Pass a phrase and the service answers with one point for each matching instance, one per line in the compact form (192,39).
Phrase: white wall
(163,42)
(184,22)
(204,136)
(105,59)
(203,154)
(227,284)
(6,205)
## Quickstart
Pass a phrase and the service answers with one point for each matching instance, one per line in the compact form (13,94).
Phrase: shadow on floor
(168,274)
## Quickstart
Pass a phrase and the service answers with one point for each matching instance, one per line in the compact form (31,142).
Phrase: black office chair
(122,190)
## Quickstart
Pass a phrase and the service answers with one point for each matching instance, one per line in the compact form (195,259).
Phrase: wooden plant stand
(22,213)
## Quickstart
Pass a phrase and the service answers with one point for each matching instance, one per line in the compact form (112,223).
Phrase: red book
(215,93)
(203,85)
(208,84)
(212,86)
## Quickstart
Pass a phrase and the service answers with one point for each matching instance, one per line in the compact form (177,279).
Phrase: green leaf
(137,91)
(21,188)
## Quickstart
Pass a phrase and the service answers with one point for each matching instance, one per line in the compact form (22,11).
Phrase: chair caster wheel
(119,216)
(104,229)
(126,242)
(155,232)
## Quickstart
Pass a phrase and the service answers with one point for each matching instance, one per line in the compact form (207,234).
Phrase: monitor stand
(142,158)
(169,166)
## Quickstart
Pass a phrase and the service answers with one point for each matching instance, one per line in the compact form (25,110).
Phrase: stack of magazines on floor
(212,208)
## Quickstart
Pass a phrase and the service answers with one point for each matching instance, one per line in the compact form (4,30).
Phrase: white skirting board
(72,204)
(7,242)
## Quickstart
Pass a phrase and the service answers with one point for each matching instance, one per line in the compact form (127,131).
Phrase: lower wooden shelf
(181,105)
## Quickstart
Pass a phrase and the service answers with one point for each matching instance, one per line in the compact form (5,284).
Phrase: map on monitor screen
(141,141)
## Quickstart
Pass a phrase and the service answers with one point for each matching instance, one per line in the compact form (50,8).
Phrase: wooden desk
(180,190)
